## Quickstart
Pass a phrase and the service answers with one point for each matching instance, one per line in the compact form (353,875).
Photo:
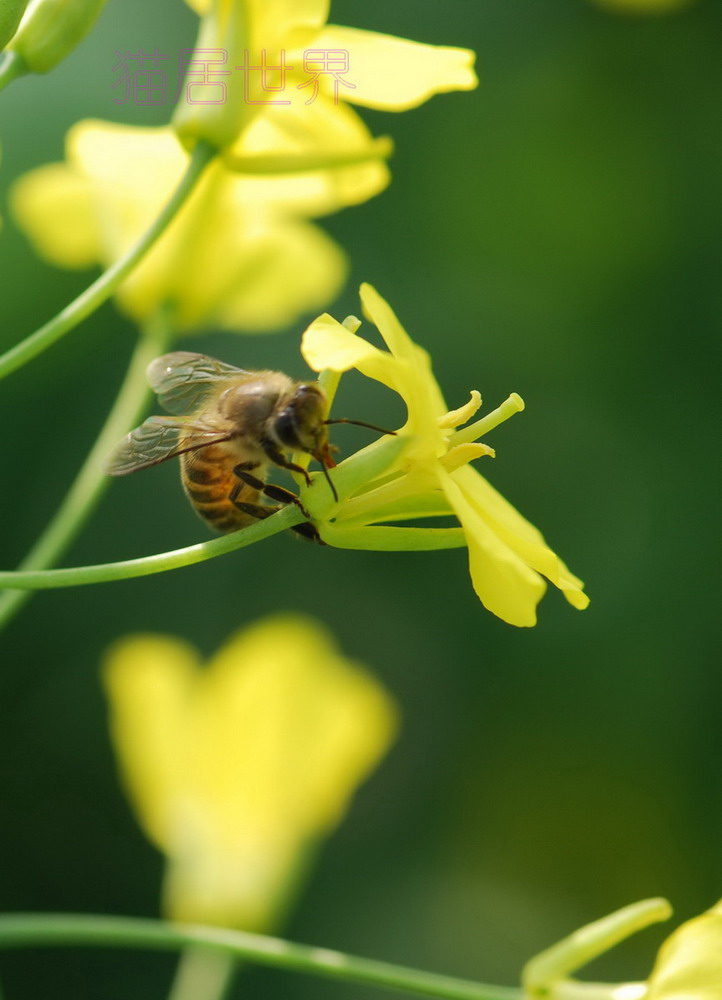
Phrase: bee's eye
(285,428)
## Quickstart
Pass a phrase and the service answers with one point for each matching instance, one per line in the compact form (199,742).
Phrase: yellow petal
(149,681)
(288,24)
(132,171)
(394,74)
(308,725)
(321,128)
(238,768)
(55,207)
(518,534)
(420,390)
(327,344)
(505,585)
(689,964)
(289,270)
(377,309)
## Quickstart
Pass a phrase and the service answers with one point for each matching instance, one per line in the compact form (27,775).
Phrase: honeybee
(227,426)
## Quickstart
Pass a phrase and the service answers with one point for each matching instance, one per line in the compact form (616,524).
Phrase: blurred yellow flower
(240,254)
(431,476)
(289,58)
(237,769)
(643,6)
(688,966)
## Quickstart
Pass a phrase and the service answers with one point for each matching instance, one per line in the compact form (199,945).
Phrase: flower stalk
(57,930)
(91,483)
(104,286)
(202,974)
(11,67)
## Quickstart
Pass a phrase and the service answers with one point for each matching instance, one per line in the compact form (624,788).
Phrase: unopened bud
(10,13)
(51,29)
(216,111)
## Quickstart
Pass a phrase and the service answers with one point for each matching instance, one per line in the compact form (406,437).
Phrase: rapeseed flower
(238,769)
(241,254)
(688,965)
(429,475)
(283,57)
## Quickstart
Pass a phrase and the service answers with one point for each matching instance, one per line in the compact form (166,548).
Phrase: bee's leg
(278,493)
(306,530)
(284,497)
(279,459)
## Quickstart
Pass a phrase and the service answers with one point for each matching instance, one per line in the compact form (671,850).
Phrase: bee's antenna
(361,423)
(320,458)
(327,474)
(322,455)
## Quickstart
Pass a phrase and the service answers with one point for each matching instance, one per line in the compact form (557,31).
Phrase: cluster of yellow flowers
(242,253)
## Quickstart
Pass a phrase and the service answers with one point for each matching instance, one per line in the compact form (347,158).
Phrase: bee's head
(300,424)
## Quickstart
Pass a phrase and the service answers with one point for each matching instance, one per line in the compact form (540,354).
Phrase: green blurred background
(556,233)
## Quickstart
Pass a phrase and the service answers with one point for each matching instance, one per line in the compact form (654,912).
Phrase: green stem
(11,67)
(36,930)
(202,974)
(101,289)
(318,499)
(148,565)
(91,483)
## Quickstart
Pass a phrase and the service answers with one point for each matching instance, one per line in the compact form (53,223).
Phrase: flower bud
(10,13)
(51,29)
(215,111)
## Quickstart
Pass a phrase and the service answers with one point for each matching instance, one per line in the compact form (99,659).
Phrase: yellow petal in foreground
(237,769)
(508,557)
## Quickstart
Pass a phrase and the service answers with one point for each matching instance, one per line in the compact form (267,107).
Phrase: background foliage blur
(556,233)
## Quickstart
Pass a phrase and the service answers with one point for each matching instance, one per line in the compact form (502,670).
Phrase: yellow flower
(325,62)
(688,966)
(431,476)
(240,254)
(238,768)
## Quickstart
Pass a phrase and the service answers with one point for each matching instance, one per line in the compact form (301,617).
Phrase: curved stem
(101,289)
(91,483)
(11,67)
(28,930)
(148,565)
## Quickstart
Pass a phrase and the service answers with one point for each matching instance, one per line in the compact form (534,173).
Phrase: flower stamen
(513,404)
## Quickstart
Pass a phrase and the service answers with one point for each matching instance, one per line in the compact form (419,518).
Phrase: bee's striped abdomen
(209,481)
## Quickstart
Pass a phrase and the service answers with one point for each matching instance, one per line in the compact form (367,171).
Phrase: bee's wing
(183,379)
(157,440)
